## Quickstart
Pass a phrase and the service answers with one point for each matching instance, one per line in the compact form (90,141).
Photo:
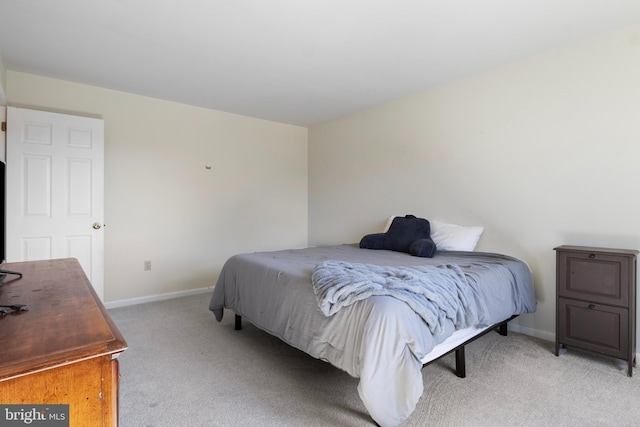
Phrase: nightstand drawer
(594,276)
(594,327)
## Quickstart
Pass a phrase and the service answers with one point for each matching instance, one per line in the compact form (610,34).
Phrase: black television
(3,223)
(3,211)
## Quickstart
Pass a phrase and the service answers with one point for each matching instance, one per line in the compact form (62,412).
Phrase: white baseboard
(158,297)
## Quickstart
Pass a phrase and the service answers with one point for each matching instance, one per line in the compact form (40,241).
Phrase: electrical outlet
(147,265)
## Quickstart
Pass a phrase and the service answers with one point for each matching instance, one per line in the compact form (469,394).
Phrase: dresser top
(596,250)
(66,321)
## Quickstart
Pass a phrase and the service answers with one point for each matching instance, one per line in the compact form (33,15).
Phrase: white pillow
(450,237)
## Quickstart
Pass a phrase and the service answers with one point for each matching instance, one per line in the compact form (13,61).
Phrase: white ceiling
(293,61)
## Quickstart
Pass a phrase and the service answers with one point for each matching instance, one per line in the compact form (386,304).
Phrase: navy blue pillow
(373,241)
(406,234)
(404,231)
(425,248)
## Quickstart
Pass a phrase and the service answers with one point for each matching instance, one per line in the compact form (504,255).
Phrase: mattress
(379,340)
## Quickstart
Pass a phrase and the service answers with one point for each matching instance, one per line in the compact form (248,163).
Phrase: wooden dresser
(596,301)
(63,350)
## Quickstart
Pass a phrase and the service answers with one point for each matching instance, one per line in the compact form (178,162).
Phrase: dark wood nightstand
(596,301)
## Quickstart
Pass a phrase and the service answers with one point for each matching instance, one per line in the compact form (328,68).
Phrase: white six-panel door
(55,189)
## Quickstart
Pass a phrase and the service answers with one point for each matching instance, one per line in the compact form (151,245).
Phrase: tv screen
(3,210)
(3,224)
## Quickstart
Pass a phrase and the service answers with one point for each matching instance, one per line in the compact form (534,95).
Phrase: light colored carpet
(183,368)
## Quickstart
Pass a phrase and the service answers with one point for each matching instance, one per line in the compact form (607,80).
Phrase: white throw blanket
(435,293)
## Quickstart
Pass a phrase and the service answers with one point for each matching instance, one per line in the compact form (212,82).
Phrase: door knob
(96,225)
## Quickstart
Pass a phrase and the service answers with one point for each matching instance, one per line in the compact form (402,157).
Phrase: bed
(379,339)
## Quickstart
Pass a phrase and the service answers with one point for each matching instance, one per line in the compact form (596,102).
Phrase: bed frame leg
(460,364)
(502,329)
(238,322)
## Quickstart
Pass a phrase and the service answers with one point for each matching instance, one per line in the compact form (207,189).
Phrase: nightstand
(596,301)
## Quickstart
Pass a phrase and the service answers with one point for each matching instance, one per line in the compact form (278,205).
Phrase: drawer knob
(592,255)
(591,306)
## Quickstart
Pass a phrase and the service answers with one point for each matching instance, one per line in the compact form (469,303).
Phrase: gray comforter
(273,291)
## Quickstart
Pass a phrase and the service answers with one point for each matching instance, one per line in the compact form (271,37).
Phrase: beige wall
(162,204)
(541,153)
(3,81)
